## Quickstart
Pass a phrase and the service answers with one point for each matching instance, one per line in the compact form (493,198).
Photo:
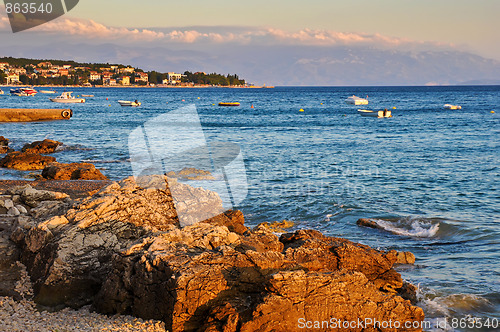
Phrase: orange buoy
(251,106)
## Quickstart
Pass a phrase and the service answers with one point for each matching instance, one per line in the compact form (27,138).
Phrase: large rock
(67,252)
(26,161)
(203,276)
(44,147)
(73,171)
(124,250)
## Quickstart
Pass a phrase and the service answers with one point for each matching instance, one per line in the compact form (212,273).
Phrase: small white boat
(1,92)
(129,103)
(48,91)
(452,107)
(354,100)
(67,98)
(89,96)
(376,114)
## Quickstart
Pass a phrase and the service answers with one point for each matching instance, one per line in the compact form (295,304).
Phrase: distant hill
(481,82)
(289,64)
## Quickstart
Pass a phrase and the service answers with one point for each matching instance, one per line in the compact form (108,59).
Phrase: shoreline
(74,188)
(145,86)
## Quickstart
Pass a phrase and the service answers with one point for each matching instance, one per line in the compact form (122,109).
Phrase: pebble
(13,211)
(21,209)
(23,316)
(8,203)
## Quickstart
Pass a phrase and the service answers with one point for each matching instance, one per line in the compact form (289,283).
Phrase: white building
(94,76)
(173,78)
(12,78)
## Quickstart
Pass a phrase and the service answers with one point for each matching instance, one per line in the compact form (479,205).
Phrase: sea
(429,177)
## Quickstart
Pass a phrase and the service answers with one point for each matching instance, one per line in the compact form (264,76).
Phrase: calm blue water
(431,175)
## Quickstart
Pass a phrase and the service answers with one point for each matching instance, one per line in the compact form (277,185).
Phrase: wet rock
(279,226)
(408,292)
(25,161)
(190,173)
(44,147)
(368,223)
(405,257)
(4,145)
(74,171)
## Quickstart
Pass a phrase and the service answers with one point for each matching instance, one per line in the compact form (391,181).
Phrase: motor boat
(48,91)
(376,114)
(229,104)
(354,100)
(129,103)
(452,107)
(23,92)
(66,97)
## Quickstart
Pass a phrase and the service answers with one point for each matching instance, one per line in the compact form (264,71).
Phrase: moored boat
(48,91)
(452,107)
(376,114)
(355,100)
(1,92)
(229,104)
(67,98)
(23,92)
(89,96)
(129,103)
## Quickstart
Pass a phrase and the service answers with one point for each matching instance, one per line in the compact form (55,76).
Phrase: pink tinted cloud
(89,29)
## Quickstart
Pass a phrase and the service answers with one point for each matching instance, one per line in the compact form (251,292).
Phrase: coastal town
(19,71)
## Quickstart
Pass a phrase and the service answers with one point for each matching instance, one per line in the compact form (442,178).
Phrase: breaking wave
(410,227)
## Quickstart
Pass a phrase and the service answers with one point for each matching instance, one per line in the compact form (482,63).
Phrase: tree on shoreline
(61,72)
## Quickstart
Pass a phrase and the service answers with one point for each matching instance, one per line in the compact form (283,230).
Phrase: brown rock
(368,223)
(190,173)
(44,147)
(233,220)
(315,252)
(124,250)
(4,141)
(295,297)
(189,284)
(74,171)
(405,257)
(4,145)
(25,161)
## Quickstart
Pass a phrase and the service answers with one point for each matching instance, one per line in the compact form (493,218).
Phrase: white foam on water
(415,228)
(441,309)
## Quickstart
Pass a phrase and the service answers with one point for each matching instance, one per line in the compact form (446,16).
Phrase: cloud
(89,29)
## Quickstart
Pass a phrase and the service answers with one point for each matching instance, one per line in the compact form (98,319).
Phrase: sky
(286,42)
(473,25)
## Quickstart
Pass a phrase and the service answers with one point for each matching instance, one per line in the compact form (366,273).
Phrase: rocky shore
(34,156)
(122,250)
